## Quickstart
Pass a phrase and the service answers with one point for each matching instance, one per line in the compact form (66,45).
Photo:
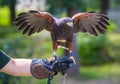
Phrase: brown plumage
(62,30)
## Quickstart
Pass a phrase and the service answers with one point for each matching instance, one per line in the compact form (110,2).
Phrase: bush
(91,48)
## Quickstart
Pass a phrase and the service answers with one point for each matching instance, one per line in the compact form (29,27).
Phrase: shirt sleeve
(4,59)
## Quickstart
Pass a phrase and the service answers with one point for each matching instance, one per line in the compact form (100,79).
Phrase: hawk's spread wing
(33,21)
(90,22)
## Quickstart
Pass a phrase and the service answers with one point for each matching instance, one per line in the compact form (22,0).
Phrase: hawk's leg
(54,44)
(70,46)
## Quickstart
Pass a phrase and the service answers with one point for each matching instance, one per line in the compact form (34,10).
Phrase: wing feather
(26,29)
(90,22)
(22,25)
(33,21)
(100,29)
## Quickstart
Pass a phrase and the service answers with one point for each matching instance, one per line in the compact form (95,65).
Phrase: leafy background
(99,57)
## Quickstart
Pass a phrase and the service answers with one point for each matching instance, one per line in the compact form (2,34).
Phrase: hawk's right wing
(33,21)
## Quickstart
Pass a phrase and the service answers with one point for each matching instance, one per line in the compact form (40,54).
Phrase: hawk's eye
(69,23)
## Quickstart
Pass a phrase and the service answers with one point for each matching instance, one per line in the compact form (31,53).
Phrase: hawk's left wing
(90,22)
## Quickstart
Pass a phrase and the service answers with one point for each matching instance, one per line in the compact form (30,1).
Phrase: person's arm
(38,68)
(17,67)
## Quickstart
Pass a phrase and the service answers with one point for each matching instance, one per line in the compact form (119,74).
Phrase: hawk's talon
(55,57)
(72,58)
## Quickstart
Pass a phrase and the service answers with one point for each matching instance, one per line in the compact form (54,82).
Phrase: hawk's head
(67,21)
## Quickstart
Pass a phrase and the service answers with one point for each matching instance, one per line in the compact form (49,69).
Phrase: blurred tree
(12,10)
(104,6)
(60,6)
(117,2)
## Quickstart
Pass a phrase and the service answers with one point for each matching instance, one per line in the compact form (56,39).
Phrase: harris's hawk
(63,29)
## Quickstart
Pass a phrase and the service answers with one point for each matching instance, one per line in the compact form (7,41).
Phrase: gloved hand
(43,68)
(62,64)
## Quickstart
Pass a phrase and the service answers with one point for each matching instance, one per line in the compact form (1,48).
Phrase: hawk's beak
(69,23)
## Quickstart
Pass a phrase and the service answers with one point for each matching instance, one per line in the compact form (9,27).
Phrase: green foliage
(96,50)
(114,48)
(37,46)
(112,26)
(115,3)
(7,32)
(59,6)
(4,16)
(106,71)
(7,79)
(17,45)
(64,3)
(24,46)
(4,2)
(90,49)
(92,5)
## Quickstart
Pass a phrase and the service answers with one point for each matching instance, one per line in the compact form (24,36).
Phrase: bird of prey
(63,29)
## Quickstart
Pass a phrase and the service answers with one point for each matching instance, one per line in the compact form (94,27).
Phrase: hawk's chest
(62,33)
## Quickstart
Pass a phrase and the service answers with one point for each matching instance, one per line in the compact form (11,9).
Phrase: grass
(32,80)
(106,71)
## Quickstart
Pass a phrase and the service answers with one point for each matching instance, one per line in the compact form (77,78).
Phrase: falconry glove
(46,68)
(62,64)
